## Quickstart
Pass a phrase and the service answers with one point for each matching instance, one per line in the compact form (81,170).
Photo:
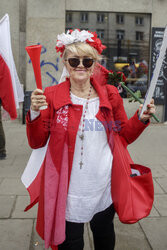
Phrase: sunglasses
(74,62)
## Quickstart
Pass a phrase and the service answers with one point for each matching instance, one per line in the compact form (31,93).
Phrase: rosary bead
(82,125)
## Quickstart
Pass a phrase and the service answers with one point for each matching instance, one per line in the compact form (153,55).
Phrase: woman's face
(79,72)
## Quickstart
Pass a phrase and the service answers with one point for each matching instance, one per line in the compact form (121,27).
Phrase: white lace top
(90,187)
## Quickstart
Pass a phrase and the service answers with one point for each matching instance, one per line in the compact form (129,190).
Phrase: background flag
(11,91)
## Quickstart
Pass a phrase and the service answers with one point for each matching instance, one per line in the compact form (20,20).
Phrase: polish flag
(11,91)
(31,176)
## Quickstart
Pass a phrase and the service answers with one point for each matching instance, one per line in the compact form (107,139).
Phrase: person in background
(2,138)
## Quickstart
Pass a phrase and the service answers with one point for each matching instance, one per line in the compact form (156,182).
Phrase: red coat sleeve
(128,129)
(38,129)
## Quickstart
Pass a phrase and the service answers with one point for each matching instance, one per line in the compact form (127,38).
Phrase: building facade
(126,35)
(124,26)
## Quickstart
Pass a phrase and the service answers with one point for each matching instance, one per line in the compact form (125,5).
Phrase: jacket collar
(62,94)
(102,93)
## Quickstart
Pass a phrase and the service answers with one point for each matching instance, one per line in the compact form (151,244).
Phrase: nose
(81,62)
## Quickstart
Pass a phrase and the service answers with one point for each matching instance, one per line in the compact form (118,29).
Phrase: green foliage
(114,78)
(137,94)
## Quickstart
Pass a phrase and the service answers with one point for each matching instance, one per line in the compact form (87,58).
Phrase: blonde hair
(81,49)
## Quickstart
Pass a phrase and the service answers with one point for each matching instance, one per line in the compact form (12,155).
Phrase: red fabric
(132,196)
(6,89)
(55,191)
(54,247)
(100,74)
(111,114)
(35,187)
(40,215)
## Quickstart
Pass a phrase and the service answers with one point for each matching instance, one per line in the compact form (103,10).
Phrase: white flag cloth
(33,166)
(11,91)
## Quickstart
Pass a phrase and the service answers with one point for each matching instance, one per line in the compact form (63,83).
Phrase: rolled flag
(11,91)
(156,73)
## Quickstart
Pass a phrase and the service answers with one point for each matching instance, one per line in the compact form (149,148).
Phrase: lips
(81,70)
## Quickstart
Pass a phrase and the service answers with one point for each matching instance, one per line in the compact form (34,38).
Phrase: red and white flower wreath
(74,36)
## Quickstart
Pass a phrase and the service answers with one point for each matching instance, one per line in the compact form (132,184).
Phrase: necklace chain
(82,126)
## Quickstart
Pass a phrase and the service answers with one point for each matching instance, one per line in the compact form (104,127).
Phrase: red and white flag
(31,176)
(11,91)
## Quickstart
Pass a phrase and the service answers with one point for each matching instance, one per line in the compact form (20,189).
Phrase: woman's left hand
(147,113)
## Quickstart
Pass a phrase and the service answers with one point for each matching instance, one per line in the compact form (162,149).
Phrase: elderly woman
(75,185)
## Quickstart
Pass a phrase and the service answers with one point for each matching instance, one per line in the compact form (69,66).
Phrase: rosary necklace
(82,126)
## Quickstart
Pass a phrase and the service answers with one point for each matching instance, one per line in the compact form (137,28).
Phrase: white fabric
(64,74)
(33,166)
(6,53)
(135,171)
(73,37)
(34,114)
(90,187)
(36,159)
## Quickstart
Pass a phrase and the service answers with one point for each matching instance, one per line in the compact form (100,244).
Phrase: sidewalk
(17,228)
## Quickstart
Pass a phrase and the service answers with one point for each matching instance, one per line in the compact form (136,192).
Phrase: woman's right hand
(38,99)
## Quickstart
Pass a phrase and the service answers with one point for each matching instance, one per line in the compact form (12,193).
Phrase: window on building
(68,17)
(139,36)
(120,34)
(100,33)
(120,19)
(100,18)
(139,20)
(84,17)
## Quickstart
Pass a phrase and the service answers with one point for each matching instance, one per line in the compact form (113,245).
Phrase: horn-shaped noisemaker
(34,53)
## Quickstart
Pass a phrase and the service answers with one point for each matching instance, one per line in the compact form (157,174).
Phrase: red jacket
(57,166)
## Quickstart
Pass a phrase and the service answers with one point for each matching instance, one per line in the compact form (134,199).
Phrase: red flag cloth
(11,91)
(6,89)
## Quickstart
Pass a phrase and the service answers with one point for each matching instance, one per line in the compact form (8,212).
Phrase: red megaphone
(34,52)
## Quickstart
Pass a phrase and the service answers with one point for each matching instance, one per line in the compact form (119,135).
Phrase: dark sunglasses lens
(74,62)
(87,62)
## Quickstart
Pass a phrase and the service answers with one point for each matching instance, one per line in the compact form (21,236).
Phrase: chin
(82,78)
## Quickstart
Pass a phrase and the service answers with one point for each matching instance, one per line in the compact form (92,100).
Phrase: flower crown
(74,36)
